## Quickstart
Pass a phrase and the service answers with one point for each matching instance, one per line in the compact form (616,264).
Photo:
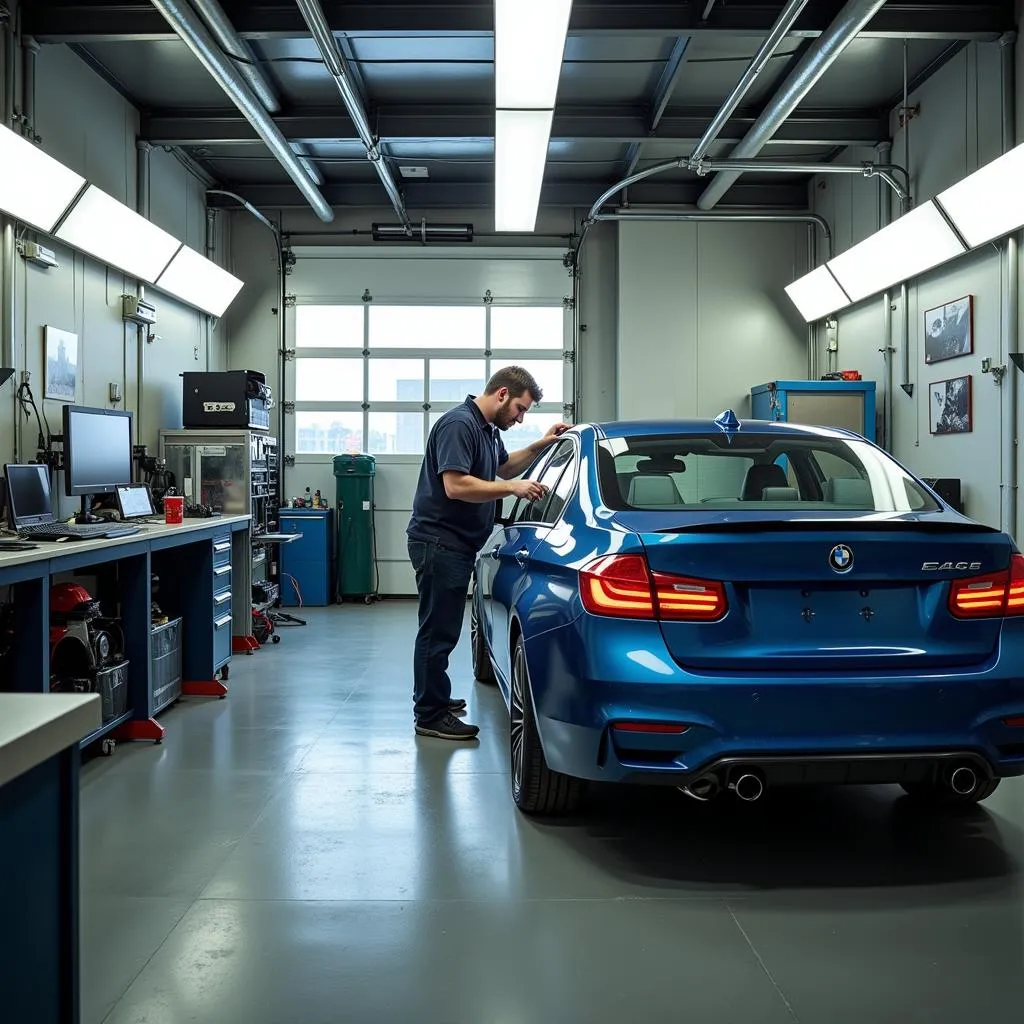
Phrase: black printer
(228,399)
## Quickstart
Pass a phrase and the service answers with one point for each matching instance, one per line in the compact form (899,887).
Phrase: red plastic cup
(174,509)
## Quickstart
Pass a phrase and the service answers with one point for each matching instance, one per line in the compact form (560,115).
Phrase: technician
(465,471)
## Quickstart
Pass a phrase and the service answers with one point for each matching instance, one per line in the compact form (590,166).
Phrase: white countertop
(36,726)
(147,531)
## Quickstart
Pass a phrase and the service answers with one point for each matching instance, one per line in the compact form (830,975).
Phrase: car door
(511,557)
(488,560)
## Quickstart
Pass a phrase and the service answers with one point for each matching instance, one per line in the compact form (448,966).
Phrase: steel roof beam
(480,195)
(65,21)
(622,125)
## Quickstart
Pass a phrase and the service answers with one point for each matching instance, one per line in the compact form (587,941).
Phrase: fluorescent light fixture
(918,241)
(199,282)
(990,202)
(108,230)
(520,153)
(34,188)
(817,294)
(529,43)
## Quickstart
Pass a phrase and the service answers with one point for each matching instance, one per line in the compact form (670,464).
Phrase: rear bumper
(806,730)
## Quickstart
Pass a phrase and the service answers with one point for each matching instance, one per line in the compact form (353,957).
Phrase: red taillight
(1017,722)
(622,586)
(993,596)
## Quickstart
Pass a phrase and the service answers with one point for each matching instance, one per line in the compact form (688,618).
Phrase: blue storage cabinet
(308,560)
(849,404)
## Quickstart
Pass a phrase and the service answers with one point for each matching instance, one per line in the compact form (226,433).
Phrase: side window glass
(560,493)
(521,507)
(550,476)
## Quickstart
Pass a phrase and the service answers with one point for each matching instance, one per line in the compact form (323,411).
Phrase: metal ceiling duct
(234,46)
(189,26)
(336,64)
(814,63)
(765,52)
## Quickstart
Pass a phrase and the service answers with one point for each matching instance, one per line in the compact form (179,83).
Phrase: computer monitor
(97,453)
(28,495)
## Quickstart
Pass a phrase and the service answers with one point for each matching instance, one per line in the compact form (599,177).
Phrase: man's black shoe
(457,706)
(447,727)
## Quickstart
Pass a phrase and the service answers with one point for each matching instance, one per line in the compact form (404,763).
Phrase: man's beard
(503,420)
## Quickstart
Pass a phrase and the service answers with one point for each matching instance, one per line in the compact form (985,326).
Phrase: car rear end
(786,635)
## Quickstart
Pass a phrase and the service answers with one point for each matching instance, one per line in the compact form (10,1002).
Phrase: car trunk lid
(850,593)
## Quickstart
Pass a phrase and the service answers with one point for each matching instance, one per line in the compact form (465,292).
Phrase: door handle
(521,555)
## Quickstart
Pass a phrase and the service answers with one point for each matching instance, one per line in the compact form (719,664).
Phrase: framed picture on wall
(60,374)
(949,406)
(949,330)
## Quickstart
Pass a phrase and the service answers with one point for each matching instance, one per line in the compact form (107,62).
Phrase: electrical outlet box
(115,392)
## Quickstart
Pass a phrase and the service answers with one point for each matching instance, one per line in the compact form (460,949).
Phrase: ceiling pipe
(727,216)
(244,58)
(886,172)
(765,52)
(337,65)
(184,20)
(808,71)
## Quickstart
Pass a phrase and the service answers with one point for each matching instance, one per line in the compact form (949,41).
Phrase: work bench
(193,561)
(42,733)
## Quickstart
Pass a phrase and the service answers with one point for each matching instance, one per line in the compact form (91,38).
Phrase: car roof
(682,427)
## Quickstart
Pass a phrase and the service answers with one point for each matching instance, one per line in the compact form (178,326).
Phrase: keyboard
(79,531)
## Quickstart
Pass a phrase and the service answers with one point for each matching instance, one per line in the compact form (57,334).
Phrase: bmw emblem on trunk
(841,558)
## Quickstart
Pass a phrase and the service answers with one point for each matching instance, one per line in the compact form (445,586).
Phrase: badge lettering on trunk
(951,567)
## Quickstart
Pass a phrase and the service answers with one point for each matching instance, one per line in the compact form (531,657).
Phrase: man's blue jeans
(442,580)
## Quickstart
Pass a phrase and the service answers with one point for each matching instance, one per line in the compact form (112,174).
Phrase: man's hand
(528,489)
(553,434)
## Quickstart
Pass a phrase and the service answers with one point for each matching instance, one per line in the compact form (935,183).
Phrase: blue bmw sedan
(732,607)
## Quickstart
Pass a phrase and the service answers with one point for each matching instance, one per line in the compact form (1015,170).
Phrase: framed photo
(949,406)
(60,376)
(949,330)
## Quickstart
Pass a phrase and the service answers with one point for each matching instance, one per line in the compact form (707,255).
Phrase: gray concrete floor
(295,855)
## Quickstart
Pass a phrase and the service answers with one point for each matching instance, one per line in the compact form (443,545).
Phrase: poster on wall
(61,371)
(949,330)
(949,406)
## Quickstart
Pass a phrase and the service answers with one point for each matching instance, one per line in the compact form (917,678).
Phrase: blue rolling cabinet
(308,560)
(820,403)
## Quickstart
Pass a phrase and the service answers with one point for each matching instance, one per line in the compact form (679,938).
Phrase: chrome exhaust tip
(703,789)
(749,787)
(963,781)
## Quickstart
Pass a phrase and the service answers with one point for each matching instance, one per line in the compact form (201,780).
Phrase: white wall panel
(703,316)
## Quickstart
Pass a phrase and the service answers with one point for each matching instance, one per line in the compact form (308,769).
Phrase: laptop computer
(30,508)
(134,501)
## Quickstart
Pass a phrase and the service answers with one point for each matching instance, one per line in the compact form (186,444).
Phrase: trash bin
(356,548)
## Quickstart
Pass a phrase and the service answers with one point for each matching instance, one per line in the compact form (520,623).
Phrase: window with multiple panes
(375,377)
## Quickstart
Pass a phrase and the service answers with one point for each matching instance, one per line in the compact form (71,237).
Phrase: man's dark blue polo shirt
(464,442)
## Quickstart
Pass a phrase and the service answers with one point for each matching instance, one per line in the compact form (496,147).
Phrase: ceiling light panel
(199,282)
(917,242)
(520,153)
(990,202)
(105,228)
(529,42)
(34,188)
(817,295)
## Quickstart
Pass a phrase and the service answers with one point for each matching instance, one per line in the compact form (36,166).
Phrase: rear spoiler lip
(829,526)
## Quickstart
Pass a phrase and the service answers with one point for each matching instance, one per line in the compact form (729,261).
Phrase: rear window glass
(752,472)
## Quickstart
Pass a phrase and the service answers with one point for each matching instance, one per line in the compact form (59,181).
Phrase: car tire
(536,789)
(483,670)
(942,796)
